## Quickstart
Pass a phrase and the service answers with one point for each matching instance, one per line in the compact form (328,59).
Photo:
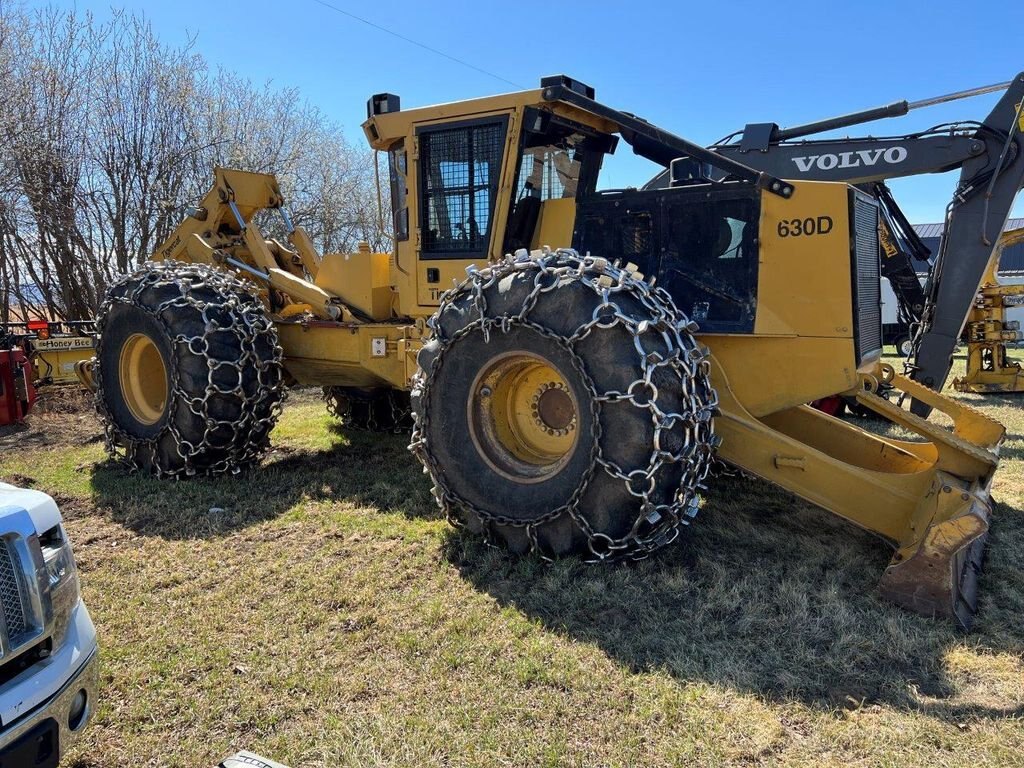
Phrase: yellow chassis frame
(371,355)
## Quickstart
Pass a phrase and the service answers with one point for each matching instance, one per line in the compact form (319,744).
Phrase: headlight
(59,559)
(62,578)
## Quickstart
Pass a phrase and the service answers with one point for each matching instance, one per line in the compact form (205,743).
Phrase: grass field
(318,610)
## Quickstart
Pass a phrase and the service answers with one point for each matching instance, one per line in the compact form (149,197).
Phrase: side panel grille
(867,288)
(10,594)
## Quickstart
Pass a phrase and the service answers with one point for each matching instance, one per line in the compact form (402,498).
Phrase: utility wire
(417,43)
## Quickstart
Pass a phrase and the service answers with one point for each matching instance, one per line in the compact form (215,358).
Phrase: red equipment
(41,328)
(16,391)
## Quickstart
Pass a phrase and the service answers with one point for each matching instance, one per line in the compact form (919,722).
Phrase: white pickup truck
(48,653)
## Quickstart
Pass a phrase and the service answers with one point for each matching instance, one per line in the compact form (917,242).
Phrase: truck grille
(10,595)
(867,288)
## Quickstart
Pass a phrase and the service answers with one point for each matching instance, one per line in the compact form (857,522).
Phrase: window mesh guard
(460,183)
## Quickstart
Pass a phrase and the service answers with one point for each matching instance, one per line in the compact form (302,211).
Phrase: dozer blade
(936,567)
(939,576)
(928,495)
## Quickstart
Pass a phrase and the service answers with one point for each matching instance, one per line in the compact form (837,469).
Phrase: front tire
(188,371)
(564,406)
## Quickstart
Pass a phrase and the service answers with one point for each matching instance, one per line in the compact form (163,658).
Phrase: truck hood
(40,507)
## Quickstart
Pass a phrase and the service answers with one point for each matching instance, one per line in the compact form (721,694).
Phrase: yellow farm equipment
(565,400)
(988,332)
(55,348)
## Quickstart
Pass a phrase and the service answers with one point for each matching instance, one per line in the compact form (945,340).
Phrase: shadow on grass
(765,594)
(1013,447)
(769,595)
(368,470)
(996,399)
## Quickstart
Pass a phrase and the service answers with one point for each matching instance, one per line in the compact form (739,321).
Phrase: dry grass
(325,616)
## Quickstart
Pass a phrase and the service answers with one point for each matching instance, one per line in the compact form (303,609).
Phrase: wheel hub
(143,377)
(522,417)
(554,408)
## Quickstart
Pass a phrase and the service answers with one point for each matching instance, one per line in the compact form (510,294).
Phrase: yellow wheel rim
(143,378)
(523,417)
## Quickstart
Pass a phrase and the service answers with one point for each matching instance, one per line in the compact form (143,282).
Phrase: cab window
(398,166)
(558,159)
(460,170)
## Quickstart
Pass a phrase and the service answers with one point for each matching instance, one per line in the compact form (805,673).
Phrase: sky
(701,70)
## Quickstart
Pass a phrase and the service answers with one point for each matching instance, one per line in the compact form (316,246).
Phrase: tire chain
(659,524)
(339,405)
(250,322)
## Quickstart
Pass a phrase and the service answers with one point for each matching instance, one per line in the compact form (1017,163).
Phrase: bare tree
(106,134)
(46,128)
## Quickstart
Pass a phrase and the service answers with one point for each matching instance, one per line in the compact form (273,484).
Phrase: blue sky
(701,70)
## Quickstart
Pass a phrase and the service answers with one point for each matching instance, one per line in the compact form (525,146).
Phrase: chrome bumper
(58,705)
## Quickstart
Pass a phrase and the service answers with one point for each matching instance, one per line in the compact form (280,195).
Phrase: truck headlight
(60,562)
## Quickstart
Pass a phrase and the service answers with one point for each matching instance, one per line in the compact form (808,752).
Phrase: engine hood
(40,507)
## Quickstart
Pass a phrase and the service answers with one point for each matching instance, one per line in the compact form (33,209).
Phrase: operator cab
(500,175)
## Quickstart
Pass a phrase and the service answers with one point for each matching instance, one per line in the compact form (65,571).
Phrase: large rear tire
(188,371)
(564,406)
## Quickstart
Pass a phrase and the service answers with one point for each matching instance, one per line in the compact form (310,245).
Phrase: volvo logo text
(862,157)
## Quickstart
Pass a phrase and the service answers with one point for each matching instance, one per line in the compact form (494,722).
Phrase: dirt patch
(73,507)
(67,398)
(22,481)
(67,425)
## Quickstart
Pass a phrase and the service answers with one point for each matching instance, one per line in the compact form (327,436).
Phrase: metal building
(1012,262)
